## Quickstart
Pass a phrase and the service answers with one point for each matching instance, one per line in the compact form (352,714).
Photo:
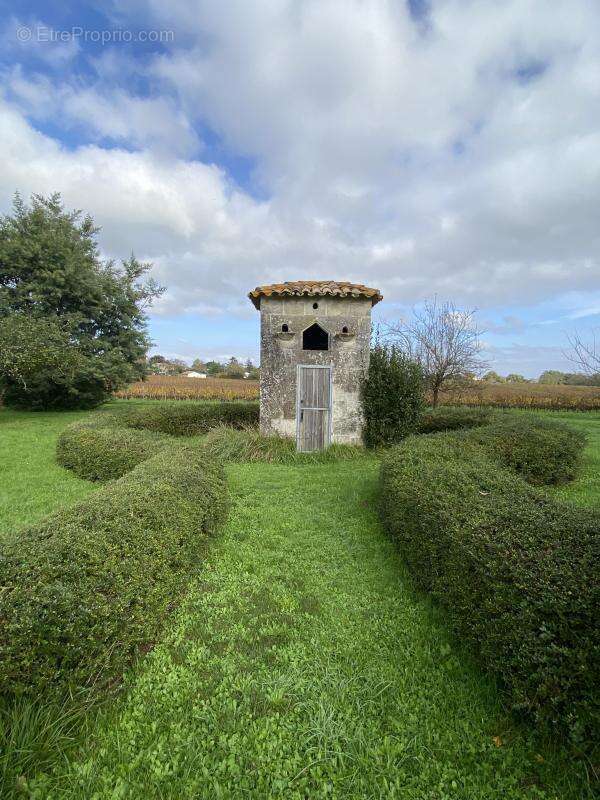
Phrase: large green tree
(55,288)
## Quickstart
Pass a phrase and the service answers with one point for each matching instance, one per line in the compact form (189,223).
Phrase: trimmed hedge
(102,452)
(83,590)
(543,452)
(516,571)
(107,446)
(191,419)
(451,419)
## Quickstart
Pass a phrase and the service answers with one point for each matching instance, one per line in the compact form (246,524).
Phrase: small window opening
(315,305)
(284,328)
(315,338)
(345,329)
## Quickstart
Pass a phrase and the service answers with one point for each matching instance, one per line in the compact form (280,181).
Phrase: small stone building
(314,350)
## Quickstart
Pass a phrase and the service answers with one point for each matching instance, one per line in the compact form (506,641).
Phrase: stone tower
(314,349)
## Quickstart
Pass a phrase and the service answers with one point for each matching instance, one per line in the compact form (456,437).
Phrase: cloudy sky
(449,147)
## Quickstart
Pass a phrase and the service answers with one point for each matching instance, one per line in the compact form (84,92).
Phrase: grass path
(302,666)
(586,489)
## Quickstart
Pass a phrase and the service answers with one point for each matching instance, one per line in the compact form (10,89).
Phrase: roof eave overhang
(255,297)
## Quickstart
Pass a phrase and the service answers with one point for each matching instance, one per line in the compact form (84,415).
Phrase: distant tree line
(550,377)
(160,365)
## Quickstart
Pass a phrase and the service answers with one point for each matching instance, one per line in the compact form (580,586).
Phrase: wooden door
(313,408)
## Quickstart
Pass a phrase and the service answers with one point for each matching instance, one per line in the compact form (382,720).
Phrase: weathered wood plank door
(313,408)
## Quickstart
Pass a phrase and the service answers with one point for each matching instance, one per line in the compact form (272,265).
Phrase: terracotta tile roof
(315,289)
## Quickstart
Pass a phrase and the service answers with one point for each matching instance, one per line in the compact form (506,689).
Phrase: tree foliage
(552,377)
(87,319)
(556,378)
(234,369)
(391,396)
(493,377)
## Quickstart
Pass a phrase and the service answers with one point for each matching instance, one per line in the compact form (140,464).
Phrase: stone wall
(282,352)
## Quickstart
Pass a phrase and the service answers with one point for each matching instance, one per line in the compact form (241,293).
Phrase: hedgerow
(191,419)
(106,446)
(543,452)
(101,449)
(515,570)
(83,590)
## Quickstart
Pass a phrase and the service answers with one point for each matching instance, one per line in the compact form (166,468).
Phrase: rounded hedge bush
(543,452)
(515,570)
(191,419)
(106,446)
(102,452)
(84,589)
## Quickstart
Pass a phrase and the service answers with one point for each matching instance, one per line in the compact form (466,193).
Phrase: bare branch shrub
(443,339)
(585,353)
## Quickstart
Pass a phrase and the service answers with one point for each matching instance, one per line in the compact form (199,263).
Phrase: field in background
(178,387)
(510,395)
(525,395)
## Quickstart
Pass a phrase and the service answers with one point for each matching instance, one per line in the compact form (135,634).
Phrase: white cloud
(148,122)
(352,115)
(461,159)
(184,216)
(30,38)
(528,360)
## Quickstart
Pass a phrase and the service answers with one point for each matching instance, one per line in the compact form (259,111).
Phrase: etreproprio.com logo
(42,33)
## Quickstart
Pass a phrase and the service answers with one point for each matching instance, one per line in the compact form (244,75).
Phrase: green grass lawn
(31,482)
(586,489)
(302,664)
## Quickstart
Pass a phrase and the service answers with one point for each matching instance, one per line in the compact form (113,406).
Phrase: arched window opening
(284,328)
(315,338)
(315,305)
(345,329)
